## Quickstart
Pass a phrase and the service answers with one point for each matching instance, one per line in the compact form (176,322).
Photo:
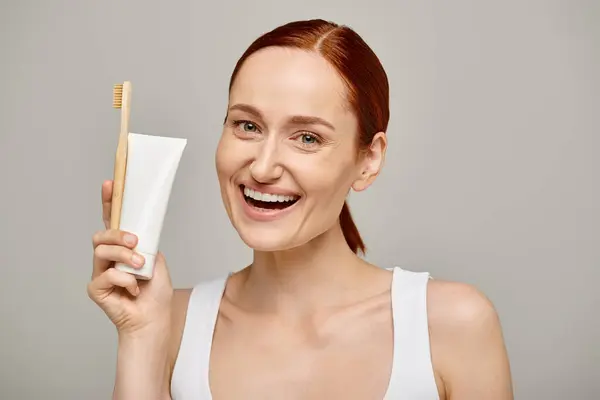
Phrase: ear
(371,162)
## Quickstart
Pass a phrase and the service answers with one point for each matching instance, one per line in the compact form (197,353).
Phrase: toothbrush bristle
(118,96)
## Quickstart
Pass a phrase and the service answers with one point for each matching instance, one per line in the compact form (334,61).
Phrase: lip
(264,216)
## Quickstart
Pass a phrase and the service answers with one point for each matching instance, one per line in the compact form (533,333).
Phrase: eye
(308,140)
(246,126)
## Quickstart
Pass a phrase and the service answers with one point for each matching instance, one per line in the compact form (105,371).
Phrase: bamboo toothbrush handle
(121,159)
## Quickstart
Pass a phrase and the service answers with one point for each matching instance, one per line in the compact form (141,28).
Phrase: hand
(133,306)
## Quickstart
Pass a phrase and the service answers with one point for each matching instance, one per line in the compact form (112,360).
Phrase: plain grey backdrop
(492,175)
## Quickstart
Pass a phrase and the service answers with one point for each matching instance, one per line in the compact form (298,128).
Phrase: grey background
(492,175)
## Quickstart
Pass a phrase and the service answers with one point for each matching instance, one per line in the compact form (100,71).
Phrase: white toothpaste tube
(152,163)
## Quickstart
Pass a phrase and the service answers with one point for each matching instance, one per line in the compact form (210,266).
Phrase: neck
(321,273)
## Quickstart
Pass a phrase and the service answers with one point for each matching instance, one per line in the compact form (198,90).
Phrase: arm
(142,368)
(468,348)
(145,363)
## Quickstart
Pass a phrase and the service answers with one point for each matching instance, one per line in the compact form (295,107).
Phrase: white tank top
(412,371)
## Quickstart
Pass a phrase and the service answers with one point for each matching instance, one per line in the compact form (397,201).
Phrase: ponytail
(350,231)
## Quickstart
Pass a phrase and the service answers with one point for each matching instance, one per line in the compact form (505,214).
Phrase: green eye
(249,127)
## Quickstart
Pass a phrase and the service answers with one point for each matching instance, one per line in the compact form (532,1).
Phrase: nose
(266,167)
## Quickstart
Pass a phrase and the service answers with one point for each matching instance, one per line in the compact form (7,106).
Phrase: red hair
(364,76)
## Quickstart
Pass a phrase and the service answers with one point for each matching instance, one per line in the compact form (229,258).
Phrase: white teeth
(268,197)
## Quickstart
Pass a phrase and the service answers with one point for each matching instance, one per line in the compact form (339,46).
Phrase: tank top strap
(190,373)
(412,374)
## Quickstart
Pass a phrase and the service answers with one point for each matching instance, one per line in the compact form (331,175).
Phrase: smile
(266,206)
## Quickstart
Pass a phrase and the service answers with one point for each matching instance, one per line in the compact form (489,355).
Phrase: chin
(265,243)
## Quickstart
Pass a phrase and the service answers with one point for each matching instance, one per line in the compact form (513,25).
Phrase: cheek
(220,157)
(328,177)
(225,158)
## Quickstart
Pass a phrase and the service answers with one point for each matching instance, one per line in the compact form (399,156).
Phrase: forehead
(290,81)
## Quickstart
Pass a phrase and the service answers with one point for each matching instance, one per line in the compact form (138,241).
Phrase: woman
(308,318)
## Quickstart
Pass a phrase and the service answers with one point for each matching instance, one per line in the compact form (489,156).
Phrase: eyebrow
(296,119)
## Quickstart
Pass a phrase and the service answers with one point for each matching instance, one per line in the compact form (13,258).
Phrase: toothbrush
(121,100)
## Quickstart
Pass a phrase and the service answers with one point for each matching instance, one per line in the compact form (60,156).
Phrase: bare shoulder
(465,327)
(456,305)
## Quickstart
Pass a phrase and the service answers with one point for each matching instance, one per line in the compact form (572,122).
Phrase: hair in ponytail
(350,230)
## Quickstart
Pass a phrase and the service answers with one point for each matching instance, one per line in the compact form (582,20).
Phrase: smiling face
(288,153)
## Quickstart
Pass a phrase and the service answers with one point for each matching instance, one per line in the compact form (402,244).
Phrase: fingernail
(137,259)
(129,239)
